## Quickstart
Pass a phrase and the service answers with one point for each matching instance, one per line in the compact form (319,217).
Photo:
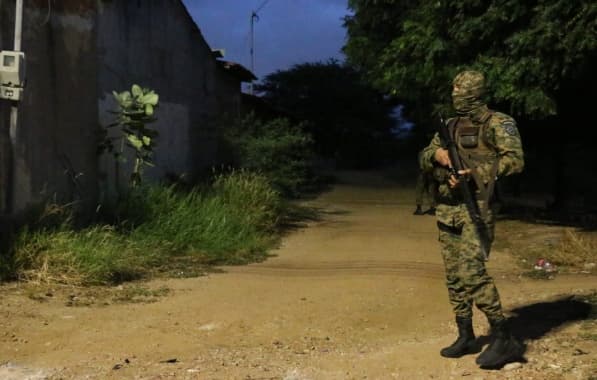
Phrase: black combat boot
(431,211)
(465,344)
(503,349)
(419,211)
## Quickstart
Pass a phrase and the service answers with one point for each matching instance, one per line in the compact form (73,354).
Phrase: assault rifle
(469,198)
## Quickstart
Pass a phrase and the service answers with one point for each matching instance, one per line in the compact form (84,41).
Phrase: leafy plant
(277,149)
(135,110)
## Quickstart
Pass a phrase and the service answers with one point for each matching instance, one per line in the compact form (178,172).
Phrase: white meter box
(12,68)
(12,74)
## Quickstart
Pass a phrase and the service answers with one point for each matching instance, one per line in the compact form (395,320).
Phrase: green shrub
(230,223)
(233,221)
(281,151)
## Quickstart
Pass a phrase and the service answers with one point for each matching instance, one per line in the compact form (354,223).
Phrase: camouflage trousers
(466,277)
(425,189)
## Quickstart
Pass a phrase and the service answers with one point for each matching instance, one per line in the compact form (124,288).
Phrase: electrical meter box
(12,74)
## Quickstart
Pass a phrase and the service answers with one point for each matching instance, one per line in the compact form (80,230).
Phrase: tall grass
(233,221)
(568,248)
(91,256)
(576,248)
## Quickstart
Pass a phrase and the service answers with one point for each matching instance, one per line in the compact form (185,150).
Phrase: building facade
(78,52)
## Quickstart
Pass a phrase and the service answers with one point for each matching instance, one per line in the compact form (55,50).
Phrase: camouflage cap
(470,82)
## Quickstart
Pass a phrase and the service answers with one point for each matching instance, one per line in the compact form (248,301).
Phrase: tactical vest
(477,154)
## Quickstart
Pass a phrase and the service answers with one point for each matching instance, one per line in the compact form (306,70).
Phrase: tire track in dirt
(344,268)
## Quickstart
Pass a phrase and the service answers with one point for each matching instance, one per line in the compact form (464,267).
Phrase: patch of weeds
(36,295)
(527,242)
(184,267)
(103,296)
(539,274)
(589,326)
(87,296)
(576,248)
(588,335)
(591,299)
(233,223)
(236,220)
(571,250)
(95,255)
(588,329)
(139,294)
(82,300)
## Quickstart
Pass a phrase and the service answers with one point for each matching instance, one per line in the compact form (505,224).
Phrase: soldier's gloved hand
(453,181)
(442,157)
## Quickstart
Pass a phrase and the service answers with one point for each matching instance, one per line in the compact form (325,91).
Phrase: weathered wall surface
(78,52)
(57,122)
(156,45)
(227,94)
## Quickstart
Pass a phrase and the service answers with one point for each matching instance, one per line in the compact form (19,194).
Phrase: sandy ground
(357,295)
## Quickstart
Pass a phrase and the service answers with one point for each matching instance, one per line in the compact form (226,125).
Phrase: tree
(348,119)
(528,50)
(538,56)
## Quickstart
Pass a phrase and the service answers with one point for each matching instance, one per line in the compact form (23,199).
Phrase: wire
(261,6)
(49,13)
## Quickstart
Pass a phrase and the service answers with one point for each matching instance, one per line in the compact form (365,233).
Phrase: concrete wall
(77,54)
(57,122)
(228,95)
(155,44)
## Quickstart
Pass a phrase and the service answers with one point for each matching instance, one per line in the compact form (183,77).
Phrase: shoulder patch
(509,126)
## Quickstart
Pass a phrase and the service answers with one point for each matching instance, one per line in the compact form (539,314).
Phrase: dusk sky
(288,31)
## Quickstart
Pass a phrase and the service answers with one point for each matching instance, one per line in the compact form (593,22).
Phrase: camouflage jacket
(501,133)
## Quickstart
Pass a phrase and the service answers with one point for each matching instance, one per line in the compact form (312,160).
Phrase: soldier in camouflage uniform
(425,190)
(489,146)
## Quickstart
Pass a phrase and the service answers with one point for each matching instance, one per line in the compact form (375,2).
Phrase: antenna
(253,19)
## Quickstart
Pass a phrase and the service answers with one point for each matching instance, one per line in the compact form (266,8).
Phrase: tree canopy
(348,119)
(534,53)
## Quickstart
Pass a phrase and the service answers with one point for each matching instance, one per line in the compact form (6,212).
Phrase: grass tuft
(565,247)
(232,223)
(576,248)
(157,228)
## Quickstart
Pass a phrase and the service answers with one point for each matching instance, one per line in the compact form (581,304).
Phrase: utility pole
(17,47)
(253,19)
(14,111)
(12,72)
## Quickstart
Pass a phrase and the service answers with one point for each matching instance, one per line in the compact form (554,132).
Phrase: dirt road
(357,295)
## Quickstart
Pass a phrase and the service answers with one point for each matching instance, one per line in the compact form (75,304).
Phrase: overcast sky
(287,32)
